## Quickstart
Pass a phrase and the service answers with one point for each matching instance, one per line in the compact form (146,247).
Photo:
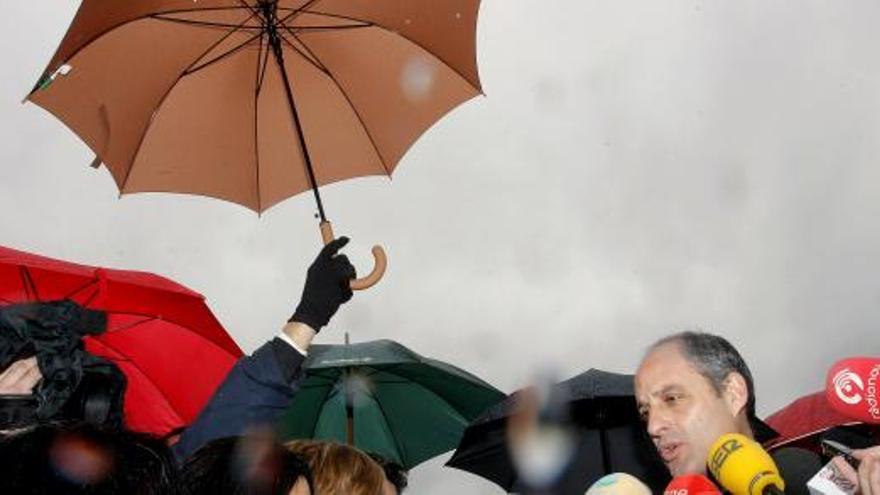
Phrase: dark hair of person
(78,458)
(714,358)
(394,472)
(243,466)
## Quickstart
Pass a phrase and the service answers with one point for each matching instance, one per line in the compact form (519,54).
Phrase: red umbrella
(800,422)
(162,335)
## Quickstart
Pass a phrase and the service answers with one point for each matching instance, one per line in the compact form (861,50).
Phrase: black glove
(327,286)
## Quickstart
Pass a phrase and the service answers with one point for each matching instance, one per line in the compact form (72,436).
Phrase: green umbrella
(384,398)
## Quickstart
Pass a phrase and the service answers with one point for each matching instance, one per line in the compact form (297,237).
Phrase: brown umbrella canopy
(186,95)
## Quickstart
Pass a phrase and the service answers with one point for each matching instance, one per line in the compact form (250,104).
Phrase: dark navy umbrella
(607,431)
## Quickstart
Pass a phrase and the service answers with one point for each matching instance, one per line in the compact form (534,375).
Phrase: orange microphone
(692,484)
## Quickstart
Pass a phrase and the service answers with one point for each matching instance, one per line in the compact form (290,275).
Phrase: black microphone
(796,466)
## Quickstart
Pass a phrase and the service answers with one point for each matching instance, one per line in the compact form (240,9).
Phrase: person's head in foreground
(83,459)
(395,475)
(246,465)
(339,469)
(691,388)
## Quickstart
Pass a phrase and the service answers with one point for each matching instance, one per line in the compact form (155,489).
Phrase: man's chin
(682,468)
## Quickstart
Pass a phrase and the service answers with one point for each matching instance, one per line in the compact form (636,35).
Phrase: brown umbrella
(254,101)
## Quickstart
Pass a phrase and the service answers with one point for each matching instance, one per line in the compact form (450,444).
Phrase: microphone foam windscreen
(618,484)
(742,466)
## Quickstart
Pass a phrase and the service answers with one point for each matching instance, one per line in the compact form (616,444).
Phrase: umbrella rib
(218,58)
(132,325)
(331,28)
(84,286)
(88,300)
(793,439)
(308,55)
(208,24)
(296,12)
(416,43)
(243,6)
(252,8)
(350,104)
(137,151)
(262,65)
(388,368)
(30,289)
(258,84)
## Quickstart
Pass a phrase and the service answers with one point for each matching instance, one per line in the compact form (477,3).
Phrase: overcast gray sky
(637,167)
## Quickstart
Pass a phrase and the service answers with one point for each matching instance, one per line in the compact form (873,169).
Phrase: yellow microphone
(742,467)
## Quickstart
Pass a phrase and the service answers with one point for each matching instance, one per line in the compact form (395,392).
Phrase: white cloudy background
(637,167)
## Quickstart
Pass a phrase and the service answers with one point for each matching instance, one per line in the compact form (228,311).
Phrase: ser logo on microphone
(722,453)
(845,384)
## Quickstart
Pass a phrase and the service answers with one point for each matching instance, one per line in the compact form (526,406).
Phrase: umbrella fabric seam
(323,401)
(390,429)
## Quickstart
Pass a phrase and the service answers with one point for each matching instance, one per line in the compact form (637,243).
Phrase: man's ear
(735,392)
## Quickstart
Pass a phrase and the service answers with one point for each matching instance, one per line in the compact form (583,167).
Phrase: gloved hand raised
(327,286)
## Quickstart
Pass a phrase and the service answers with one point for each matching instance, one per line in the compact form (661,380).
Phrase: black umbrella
(608,435)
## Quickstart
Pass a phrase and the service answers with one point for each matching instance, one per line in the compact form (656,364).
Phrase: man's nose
(657,423)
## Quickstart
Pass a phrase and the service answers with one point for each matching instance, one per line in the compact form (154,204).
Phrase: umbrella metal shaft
(269,10)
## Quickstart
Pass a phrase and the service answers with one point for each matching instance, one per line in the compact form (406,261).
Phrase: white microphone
(618,484)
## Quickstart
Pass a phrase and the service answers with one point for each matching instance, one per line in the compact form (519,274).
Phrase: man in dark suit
(694,387)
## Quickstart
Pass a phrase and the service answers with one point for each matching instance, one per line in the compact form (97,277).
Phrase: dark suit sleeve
(255,393)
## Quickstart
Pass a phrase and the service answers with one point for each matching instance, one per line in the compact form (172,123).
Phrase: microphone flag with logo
(742,467)
(852,387)
(618,484)
(691,484)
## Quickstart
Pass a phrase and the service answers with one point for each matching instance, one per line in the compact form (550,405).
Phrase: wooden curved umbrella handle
(381,261)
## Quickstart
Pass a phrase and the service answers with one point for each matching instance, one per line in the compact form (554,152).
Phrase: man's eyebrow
(670,388)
